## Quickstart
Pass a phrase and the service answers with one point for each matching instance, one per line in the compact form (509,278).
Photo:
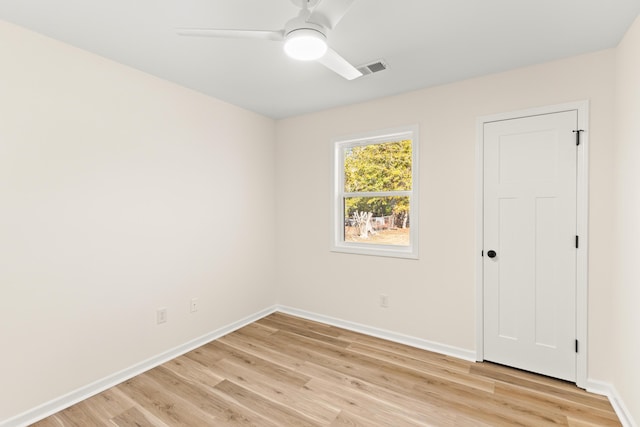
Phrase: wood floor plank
(132,417)
(582,423)
(52,421)
(365,400)
(108,404)
(443,360)
(298,398)
(542,384)
(348,419)
(437,370)
(122,403)
(263,348)
(97,409)
(163,402)
(307,333)
(79,416)
(401,379)
(285,371)
(279,414)
(349,389)
(201,397)
(273,370)
(297,323)
(553,404)
(255,330)
(190,370)
(206,355)
(368,368)
(465,421)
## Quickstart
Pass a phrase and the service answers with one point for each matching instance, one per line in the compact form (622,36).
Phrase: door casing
(582,108)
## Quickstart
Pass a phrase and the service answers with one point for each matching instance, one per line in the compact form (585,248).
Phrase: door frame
(582,202)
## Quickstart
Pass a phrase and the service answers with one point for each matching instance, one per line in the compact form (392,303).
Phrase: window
(375,197)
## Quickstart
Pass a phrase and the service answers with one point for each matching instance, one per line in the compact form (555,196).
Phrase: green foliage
(376,168)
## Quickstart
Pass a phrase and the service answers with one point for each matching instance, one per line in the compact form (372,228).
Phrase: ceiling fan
(305,36)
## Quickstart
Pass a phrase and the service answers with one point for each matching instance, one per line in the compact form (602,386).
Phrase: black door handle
(492,254)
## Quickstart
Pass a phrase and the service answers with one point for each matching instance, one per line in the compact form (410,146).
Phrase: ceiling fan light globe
(305,44)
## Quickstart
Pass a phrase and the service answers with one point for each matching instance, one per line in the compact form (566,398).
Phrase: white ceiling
(424,42)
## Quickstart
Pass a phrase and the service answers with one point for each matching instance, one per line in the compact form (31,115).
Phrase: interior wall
(433,298)
(120,193)
(625,286)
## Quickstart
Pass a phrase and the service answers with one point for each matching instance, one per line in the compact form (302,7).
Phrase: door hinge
(577,132)
(577,242)
(576,346)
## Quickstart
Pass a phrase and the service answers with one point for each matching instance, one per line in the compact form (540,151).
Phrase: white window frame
(338,244)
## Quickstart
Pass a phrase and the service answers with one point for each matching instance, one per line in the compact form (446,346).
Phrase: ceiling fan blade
(235,34)
(329,12)
(336,63)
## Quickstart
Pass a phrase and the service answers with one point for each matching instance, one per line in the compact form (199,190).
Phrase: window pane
(378,167)
(377,220)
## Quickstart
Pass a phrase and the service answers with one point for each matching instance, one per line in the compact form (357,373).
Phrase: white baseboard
(384,334)
(63,402)
(606,389)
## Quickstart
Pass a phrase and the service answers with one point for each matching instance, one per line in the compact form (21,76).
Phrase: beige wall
(626,286)
(120,193)
(434,298)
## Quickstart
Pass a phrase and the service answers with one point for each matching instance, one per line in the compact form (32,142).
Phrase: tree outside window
(375,199)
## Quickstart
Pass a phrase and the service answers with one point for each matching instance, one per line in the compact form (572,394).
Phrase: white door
(530,228)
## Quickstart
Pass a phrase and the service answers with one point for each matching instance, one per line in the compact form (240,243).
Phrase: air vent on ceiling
(372,67)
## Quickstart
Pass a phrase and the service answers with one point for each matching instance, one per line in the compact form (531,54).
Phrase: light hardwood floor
(286,371)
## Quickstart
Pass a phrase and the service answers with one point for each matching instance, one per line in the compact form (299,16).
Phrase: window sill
(378,250)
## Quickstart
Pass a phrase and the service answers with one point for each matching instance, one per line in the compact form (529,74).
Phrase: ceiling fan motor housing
(305,40)
(300,23)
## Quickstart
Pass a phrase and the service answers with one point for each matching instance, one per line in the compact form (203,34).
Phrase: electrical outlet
(161,315)
(194,305)
(384,301)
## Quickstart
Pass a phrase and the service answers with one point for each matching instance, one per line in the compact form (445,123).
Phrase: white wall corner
(606,389)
